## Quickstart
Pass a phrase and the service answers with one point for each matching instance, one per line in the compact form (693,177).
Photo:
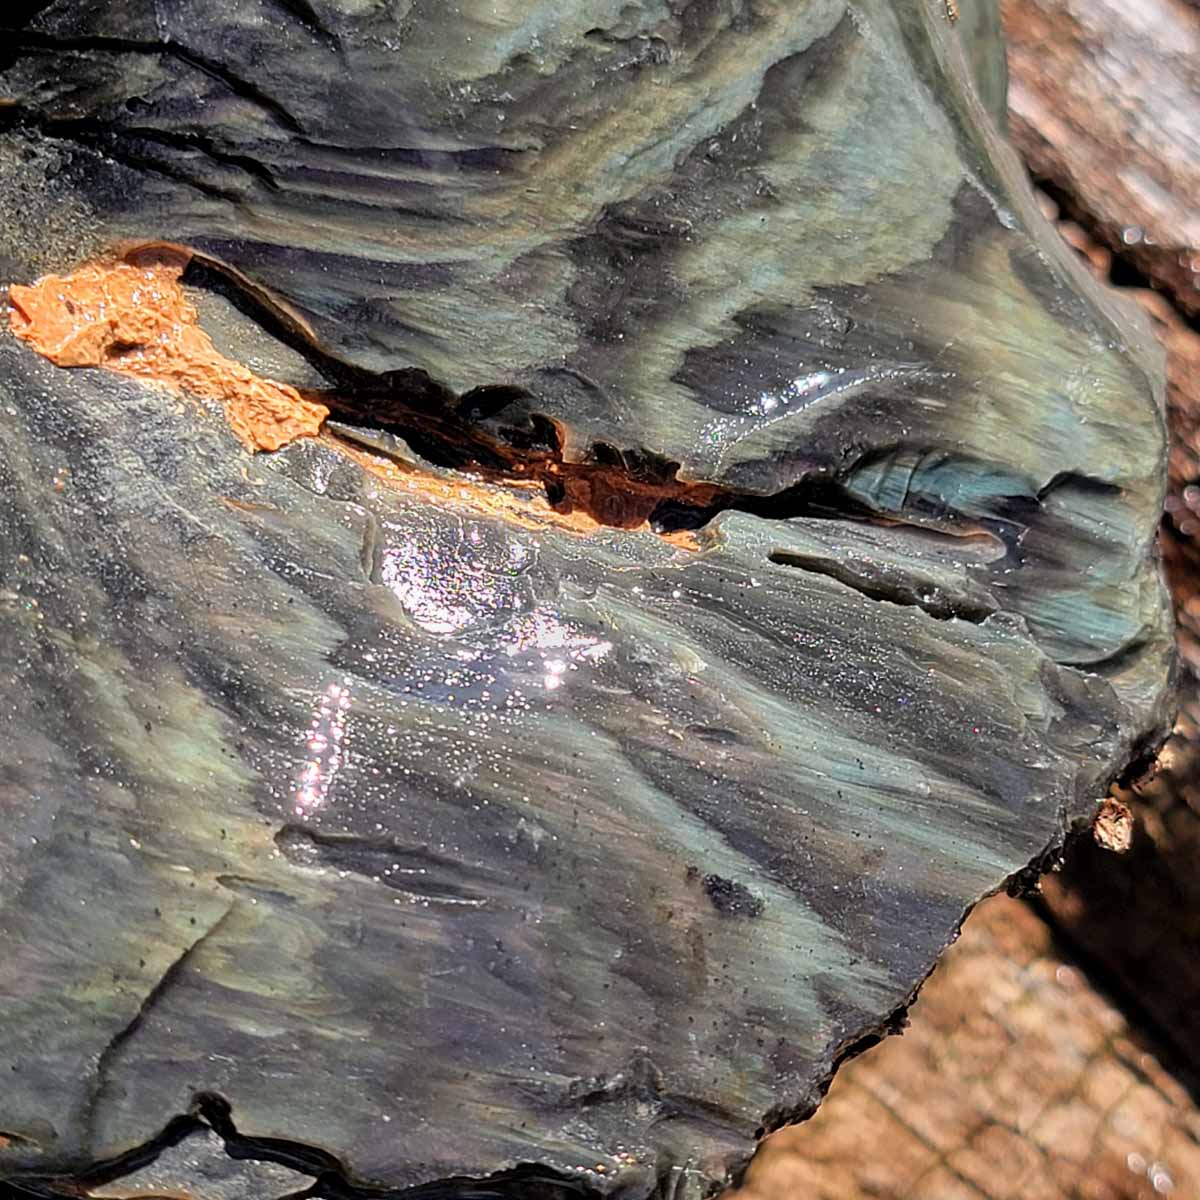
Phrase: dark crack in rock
(202,1167)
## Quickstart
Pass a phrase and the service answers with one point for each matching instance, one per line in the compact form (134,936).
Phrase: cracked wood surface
(448,847)
(1104,105)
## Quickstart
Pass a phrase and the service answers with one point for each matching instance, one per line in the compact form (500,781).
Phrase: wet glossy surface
(447,843)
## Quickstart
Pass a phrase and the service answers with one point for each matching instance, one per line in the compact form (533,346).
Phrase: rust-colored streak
(519,502)
(613,497)
(132,316)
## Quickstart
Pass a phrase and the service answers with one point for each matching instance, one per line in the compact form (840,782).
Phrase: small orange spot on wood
(133,317)
(1112,826)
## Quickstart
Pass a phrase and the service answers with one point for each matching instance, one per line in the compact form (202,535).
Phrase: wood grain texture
(1105,105)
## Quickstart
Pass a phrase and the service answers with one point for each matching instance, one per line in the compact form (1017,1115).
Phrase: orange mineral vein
(133,316)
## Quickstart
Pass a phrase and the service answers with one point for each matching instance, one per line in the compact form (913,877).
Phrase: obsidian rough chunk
(450,847)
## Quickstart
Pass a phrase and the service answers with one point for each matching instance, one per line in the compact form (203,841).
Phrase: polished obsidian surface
(448,838)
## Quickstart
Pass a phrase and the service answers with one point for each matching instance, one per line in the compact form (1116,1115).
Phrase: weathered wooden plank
(1105,105)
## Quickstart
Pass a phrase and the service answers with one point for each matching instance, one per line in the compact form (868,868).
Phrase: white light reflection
(325,746)
(799,394)
(803,387)
(447,585)
(560,648)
